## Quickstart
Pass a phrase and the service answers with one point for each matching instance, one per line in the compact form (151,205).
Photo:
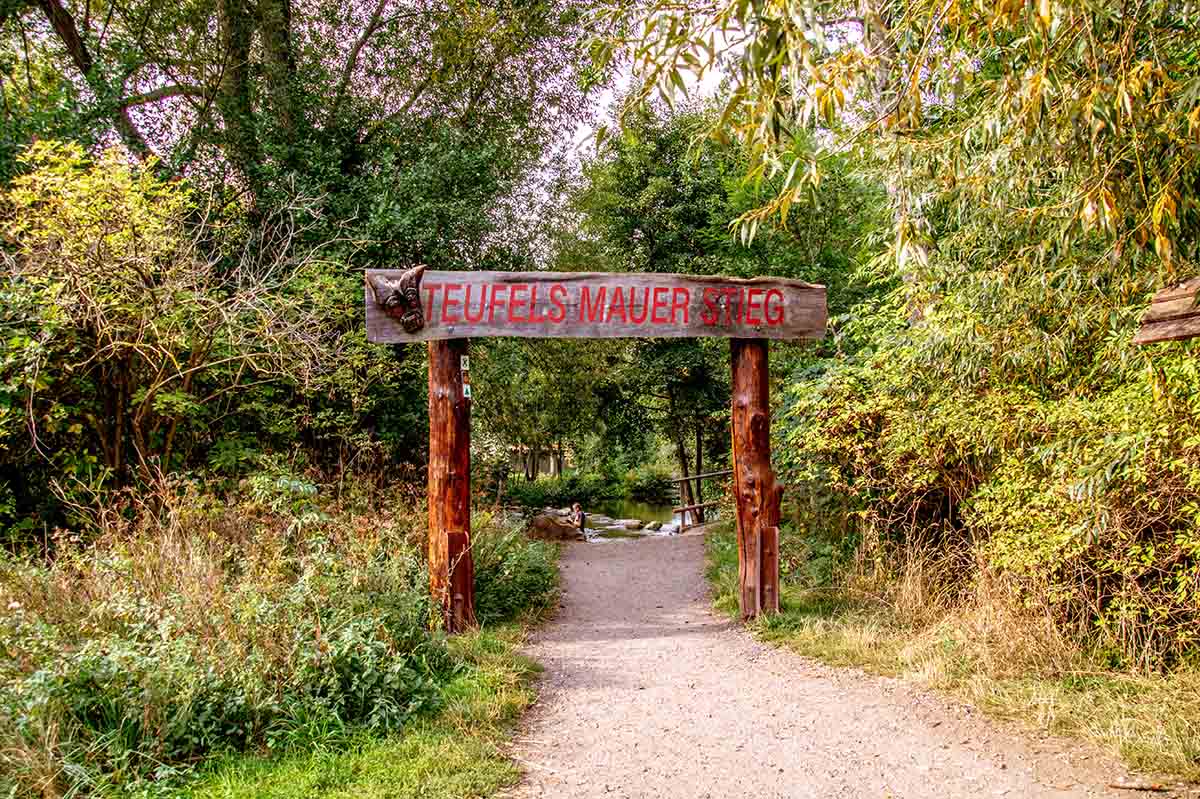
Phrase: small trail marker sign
(445,309)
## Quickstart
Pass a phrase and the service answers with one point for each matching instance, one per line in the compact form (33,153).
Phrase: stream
(606,520)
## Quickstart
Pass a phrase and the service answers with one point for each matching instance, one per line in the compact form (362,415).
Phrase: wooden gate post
(758,497)
(451,569)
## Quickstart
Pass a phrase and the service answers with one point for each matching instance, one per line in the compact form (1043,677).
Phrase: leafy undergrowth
(980,648)
(455,754)
(280,632)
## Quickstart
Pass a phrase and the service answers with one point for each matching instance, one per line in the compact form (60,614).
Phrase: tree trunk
(68,33)
(758,497)
(685,486)
(236,31)
(699,469)
(275,28)
(451,569)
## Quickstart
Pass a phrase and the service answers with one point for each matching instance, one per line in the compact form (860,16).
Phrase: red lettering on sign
(587,309)
(680,297)
(492,305)
(534,317)
(660,304)
(430,290)
(633,304)
(515,301)
(752,305)
(618,305)
(732,295)
(777,317)
(448,303)
(559,313)
(711,311)
(482,304)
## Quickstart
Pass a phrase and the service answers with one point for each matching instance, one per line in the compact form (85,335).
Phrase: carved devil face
(401,298)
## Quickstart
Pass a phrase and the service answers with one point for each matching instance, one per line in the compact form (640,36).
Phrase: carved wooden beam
(404,307)
(399,297)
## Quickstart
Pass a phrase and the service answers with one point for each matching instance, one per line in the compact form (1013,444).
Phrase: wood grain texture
(1173,315)
(451,568)
(602,305)
(757,495)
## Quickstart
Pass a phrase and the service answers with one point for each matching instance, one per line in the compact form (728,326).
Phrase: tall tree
(272,100)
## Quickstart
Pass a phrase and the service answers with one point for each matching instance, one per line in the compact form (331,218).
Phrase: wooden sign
(1173,315)
(421,305)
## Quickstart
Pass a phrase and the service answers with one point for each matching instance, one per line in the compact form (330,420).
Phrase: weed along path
(647,693)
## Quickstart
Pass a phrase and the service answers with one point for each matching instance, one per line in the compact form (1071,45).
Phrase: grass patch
(457,754)
(980,649)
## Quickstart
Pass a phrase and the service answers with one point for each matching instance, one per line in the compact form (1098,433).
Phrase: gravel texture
(647,693)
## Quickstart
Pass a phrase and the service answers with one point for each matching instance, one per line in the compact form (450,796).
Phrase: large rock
(629,524)
(654,526)
(547,527)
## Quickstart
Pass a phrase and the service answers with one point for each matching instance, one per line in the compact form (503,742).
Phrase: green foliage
(659,197)
(204,309)
(133,342)
(513,575)
(651,483)
(1080,118)
(982,398)
(1085,495)
(540,394)
(563,491)
(455,754)
(282,621)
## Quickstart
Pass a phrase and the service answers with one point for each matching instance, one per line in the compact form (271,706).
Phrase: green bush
(513,575)
(279,621)
(1086,503)
(562,491)
(652,484)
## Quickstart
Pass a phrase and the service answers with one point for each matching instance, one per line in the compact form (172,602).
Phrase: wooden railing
(695,509)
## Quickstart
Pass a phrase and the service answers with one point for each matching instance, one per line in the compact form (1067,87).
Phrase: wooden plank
(587,305)
(697,505)
(769,568)
(1178,308)
(1173,315)
(1187,288)
(1172,330)
(451,568)
(757,494)
(697,476)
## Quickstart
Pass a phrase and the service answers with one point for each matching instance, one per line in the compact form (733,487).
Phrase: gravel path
(648,694)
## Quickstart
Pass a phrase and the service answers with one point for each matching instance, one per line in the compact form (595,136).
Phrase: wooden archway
(447,309)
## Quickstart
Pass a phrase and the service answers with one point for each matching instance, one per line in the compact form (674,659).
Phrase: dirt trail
(648,694)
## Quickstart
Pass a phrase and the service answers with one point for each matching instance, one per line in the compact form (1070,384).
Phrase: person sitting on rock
(578,518)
